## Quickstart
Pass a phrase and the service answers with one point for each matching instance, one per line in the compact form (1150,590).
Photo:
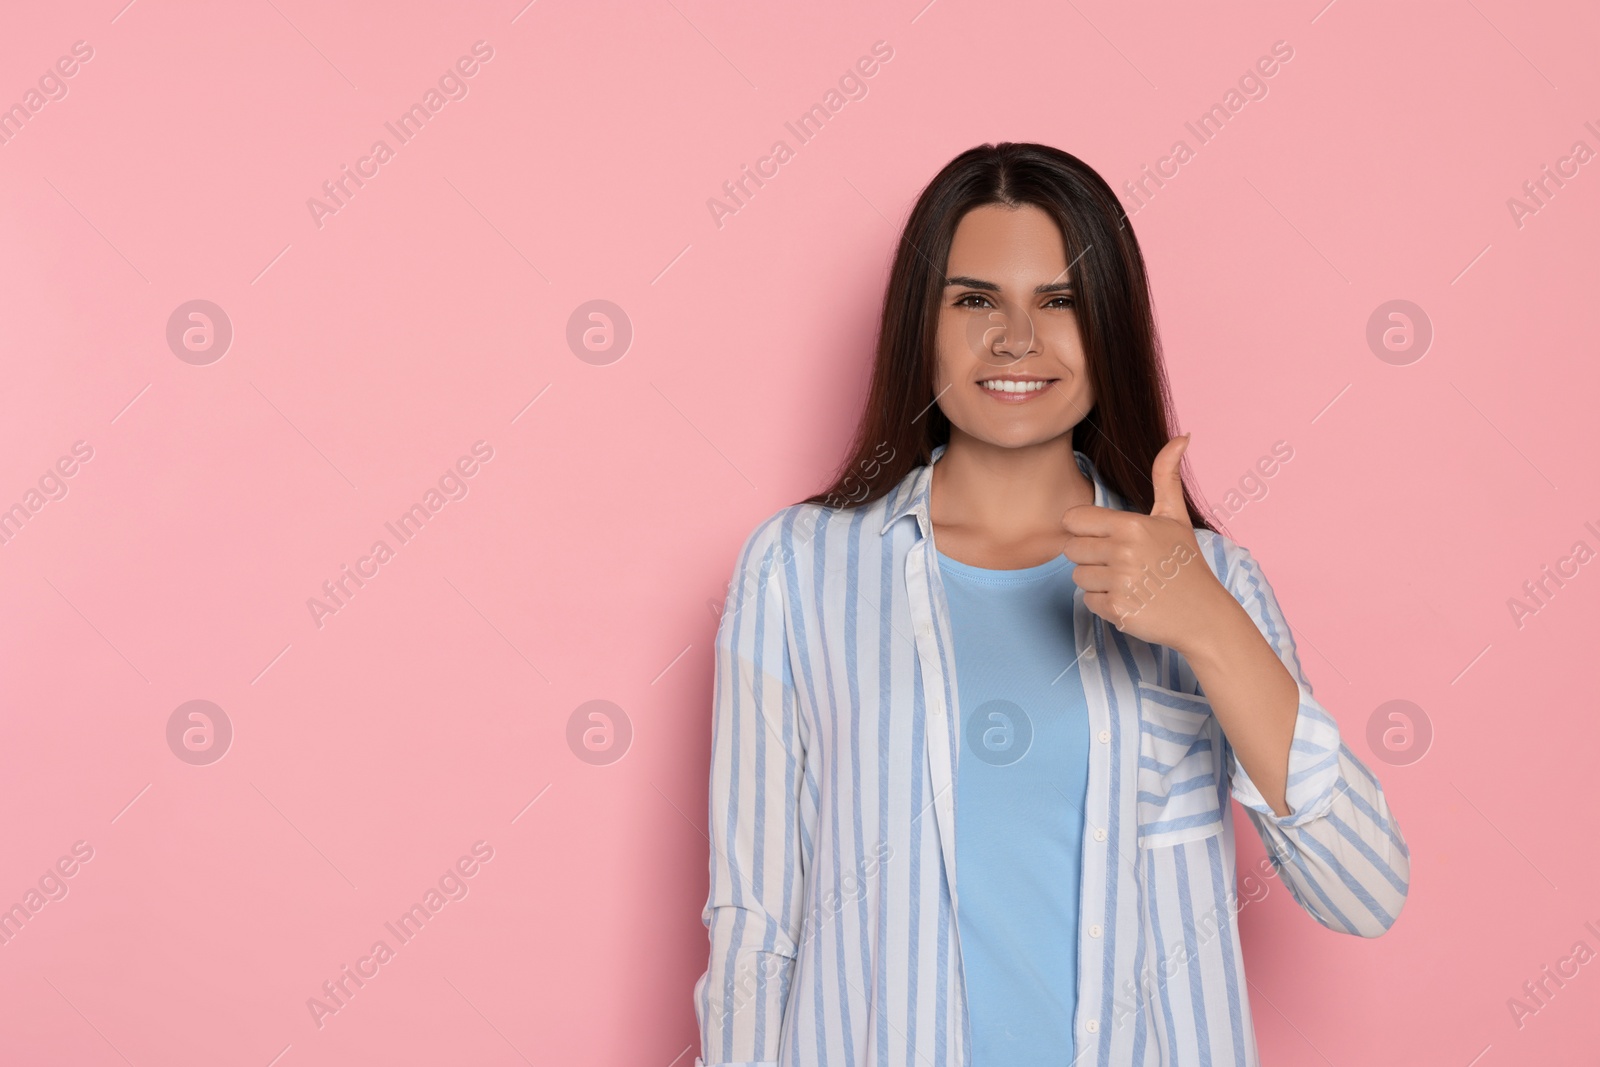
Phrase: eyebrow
(978,283)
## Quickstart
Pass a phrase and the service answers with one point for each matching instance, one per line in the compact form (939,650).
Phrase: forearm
(1253,695)
(1337,847)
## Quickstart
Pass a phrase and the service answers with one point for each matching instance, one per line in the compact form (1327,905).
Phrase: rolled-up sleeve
(758,853)
(1339,849)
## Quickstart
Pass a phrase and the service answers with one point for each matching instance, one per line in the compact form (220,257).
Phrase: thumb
(1168,484)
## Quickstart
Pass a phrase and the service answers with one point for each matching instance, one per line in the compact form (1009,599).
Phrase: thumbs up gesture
(1144,573)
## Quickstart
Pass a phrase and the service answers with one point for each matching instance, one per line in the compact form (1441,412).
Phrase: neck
(1008,493)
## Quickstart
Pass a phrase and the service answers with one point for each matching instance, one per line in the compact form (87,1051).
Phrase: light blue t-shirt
(1021,778)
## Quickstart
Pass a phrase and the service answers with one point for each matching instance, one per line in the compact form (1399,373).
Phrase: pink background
(589,556)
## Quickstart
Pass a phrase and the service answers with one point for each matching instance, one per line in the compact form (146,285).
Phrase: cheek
(952,358)
(1067,349)
(1065,342)
(1077,387)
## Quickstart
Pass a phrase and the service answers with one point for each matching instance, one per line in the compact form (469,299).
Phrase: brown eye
(962,302)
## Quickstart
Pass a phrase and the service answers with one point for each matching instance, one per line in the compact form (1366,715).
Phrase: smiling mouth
(1017,386)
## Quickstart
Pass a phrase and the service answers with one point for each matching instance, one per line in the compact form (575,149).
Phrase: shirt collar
(911,496)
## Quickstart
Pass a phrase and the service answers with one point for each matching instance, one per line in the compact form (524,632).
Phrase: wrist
(1224,626)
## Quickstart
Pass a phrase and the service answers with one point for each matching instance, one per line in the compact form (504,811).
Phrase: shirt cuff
(1313,768)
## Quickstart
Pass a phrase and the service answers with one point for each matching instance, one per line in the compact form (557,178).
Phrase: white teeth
(1001,386)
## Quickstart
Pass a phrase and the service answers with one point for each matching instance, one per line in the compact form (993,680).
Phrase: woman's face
(1006,316)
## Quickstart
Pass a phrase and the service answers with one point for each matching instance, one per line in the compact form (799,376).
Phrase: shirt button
(1094,931)
(1088,653)
(1093,1026)
(1099,834)
(1104,736)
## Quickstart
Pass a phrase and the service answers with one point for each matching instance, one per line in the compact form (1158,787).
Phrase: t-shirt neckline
(1007,576)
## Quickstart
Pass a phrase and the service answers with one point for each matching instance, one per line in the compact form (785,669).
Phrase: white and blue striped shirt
(833,883)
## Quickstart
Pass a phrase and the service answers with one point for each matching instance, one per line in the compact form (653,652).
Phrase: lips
(1018,389)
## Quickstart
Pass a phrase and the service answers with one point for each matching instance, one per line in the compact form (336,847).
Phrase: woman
(1038,865)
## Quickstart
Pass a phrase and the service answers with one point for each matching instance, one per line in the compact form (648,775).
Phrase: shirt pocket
(1178,794)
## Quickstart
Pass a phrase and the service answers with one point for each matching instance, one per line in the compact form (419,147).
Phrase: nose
(1003,336)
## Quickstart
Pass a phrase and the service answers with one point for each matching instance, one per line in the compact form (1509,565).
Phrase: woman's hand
(1144,573)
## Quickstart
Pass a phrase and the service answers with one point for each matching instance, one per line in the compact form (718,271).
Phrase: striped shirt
(832,898)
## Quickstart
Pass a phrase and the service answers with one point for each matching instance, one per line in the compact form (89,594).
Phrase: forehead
(997,241)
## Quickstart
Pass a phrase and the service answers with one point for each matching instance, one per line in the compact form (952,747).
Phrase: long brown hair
(1129,422)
